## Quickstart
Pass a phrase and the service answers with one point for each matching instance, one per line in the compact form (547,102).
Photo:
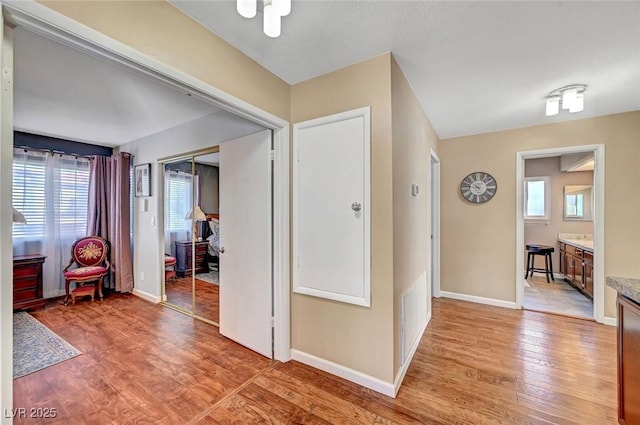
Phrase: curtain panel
(51,191)
(109,212)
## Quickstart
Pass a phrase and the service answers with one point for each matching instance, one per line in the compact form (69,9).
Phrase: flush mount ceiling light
(272,11)
(568,97)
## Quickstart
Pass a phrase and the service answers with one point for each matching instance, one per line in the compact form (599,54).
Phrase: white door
(245,235)
(331,208)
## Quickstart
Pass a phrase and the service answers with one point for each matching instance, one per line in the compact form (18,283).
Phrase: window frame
(547,199)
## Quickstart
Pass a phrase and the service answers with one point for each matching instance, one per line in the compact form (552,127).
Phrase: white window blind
(51,191)
(179,191)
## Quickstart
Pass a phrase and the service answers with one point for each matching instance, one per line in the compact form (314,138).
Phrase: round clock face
(478,187)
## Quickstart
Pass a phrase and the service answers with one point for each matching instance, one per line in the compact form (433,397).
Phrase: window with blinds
(50,190)
(179,190)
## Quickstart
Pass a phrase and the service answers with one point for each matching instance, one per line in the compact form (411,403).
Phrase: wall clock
(478,187)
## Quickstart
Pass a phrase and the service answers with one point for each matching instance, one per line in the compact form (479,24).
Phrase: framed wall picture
(142,183)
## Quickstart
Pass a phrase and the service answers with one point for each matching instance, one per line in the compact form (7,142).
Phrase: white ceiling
(64,93)
(476,66)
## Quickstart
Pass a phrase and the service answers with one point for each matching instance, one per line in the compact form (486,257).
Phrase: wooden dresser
(27,282)
(184,265)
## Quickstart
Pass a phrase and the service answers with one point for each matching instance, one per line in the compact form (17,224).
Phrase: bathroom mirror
(578,202)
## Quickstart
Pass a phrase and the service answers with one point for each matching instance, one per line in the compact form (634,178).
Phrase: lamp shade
(196,215)
(247,8)
(569,98)
(578,104)
(283,7)
(18,217)
(271,21)
(553,106)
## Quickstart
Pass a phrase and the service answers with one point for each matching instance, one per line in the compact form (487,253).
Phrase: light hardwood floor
(476,364)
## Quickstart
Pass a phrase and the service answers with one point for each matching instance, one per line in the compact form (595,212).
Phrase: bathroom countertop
(628,287)
(580,243)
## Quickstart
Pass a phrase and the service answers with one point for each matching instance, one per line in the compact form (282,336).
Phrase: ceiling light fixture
(568,97)
(272,10)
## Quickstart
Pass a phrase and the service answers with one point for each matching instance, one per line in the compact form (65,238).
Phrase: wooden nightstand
(27,282)
(183,256)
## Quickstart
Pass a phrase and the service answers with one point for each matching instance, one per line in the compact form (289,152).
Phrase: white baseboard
(611,321)
(479,300)
(146,296)
(403,369)
(368,381)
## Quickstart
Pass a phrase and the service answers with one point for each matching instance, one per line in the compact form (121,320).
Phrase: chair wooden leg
(526,274)
(100,287)
(551,266)
(66,291)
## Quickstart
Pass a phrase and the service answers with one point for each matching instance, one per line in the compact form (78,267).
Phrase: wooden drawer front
(571,249)
(25,295)
(588,257)
(30,271)
(562,246)
(24,283)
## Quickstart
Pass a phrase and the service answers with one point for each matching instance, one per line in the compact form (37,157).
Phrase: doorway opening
(435,225)
(560,231)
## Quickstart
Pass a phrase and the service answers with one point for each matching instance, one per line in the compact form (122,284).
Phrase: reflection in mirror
(206,277)
(578,203)
(178,201)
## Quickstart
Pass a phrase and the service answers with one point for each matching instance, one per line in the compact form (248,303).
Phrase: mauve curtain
(109,214)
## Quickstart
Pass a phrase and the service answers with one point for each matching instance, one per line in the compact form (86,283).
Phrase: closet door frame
(187,156)
(39,18)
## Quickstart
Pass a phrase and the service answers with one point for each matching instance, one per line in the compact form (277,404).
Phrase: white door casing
(331,207)
(245,235)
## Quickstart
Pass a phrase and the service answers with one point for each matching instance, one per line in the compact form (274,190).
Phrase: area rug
(36,347)
(211,277)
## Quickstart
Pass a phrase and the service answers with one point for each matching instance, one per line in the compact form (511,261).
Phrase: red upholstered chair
(90,254)
(169,267)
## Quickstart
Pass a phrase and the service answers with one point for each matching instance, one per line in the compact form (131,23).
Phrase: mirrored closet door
(191,239)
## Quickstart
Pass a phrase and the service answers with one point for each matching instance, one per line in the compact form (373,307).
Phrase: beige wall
(413,137)
(356,337)
(478,252)
(162,32)
(547,234)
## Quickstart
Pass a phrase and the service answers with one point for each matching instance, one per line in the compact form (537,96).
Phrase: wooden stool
(535,249)
(82,291)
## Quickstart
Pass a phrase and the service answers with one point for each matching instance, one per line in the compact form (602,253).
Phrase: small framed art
(142,176)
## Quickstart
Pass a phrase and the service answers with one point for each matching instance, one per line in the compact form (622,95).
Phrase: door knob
(221,250)
(356,206)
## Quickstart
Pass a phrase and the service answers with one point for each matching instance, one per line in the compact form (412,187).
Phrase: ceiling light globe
(247,8)
(283,7)
(578,104)
(553,106)
(568,98)
(271,24)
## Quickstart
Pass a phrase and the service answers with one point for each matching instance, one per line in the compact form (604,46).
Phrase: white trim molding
(362,297)
(146,296)
(610,321)
(479,300)
(367,381)
(405,366)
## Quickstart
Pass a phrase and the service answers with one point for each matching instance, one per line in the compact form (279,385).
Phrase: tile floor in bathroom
(556,297)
